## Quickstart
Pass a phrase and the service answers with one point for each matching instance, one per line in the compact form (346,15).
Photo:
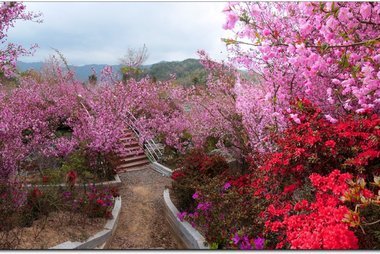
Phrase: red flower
(177,175)
(71,177)
(330,143)
(36,193)
(290,188)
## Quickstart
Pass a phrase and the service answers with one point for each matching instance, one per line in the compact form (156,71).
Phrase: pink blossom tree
(328,52)
(10,12)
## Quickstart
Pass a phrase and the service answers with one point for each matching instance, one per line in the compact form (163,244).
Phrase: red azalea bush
(316,224)
(316,145)
(307,175)
(301,191)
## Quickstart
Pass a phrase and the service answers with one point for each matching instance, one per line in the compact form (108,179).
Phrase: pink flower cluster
(327,52)
(10,12)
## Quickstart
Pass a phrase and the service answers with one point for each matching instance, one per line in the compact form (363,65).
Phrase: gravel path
(142,224)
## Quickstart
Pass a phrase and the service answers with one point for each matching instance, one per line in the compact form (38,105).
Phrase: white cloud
(101,32)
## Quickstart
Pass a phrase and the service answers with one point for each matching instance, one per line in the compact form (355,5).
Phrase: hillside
(188,72)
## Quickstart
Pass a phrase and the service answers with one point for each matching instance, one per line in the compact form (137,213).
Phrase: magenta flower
(245,244)
(181,215)
(236,239)
(226,186)
(195,195)
(259,243)
(204,206)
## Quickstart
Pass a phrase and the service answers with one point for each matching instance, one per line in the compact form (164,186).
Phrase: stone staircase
(132,156)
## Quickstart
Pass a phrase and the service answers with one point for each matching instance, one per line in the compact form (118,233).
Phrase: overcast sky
(101,32)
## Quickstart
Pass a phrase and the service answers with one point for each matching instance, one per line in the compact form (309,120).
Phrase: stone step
(128,149)
(123,156)
(128,131)
(131,145)
(132,164)
(133,158)
(122,170)
(129,138)
(128,134)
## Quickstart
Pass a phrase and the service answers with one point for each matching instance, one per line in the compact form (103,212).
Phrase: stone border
(101,239)
(189,236)
(161,169)
(109,184)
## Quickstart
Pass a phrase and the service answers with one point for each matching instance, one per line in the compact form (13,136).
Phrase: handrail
(150,146)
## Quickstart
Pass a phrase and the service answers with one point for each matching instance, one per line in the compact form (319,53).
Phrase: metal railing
(151,149)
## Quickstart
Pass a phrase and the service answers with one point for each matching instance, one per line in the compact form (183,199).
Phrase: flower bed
(22,208)
(101,238)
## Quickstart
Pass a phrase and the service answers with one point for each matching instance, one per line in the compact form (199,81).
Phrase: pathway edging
(189,236)
(162,169)
(109,184)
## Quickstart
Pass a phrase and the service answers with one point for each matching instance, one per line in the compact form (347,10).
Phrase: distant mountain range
(188,72)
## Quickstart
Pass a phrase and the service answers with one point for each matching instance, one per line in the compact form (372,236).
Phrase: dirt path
(142,224)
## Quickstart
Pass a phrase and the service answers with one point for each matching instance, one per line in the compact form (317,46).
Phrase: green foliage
(210,144)
(188,72)
(214,246)
(76,161)
(88,169)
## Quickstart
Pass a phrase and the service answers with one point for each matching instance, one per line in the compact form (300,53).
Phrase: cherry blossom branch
(231,41)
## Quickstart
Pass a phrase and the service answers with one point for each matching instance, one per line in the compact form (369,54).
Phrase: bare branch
(135,57)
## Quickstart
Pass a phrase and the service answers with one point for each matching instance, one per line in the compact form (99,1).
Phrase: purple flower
(204,206)
(236,239)
(259,243)
(195,195)
(226,186)
(181,216)
(245,244)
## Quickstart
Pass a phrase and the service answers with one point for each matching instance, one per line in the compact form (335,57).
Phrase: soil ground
(57,228)
(142,224)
